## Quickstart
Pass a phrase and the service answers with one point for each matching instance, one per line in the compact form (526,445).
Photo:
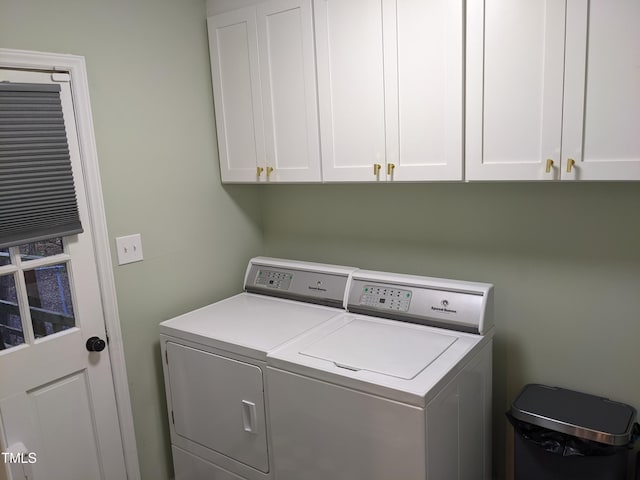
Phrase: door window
(11,331)
(35,292)
(4,257)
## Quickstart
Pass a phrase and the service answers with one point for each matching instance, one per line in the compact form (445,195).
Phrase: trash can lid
(574,413)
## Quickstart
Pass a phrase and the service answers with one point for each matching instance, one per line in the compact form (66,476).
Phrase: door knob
(95,344)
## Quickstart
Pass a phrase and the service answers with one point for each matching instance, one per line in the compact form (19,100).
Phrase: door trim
(76,67)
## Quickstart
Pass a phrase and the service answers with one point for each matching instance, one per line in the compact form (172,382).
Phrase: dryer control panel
(457,305)
(274,279)
(302,281)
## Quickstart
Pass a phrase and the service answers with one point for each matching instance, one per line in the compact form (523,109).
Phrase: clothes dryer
(214,364)
(399,387)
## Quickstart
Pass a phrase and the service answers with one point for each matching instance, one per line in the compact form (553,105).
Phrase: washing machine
(398,387)
(214,362)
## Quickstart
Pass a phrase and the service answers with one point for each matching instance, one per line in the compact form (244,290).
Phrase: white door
(288,80)
(602,91)
(428,83)
(56,398)
(350,57)
(235,74)
(514,81)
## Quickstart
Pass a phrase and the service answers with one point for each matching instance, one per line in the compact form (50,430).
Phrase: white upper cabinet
(390,89)
(549,100)
(602,90)
(237,97)
(552,90)
(289,95)
(514,88)
(262,61)
(425,124)
(350,88)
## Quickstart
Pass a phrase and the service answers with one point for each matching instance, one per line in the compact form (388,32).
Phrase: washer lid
(394,350)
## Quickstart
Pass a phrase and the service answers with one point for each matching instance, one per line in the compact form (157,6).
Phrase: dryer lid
(400,351)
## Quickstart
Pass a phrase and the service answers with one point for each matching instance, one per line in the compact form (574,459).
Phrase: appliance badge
(443,308)
(318,287)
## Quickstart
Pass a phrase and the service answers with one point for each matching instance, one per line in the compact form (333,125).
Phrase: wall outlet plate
(129,249)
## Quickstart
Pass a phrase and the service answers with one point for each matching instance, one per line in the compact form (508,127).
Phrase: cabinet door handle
(390,168)
(269,171)
(549,165)
(570,163)
(376,169)
(249,416)
(259,170)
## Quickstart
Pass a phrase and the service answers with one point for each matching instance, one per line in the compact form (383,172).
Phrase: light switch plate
(129,249)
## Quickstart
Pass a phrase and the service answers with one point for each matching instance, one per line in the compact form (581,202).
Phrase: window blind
(37,193)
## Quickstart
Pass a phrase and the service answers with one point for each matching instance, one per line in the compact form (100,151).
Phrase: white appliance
(399,388)
(214,365)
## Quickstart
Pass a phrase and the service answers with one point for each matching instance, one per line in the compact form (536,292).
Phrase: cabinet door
(602,90)
(236,88)
(515,62)
(349,36)
(287,72)
(429,78)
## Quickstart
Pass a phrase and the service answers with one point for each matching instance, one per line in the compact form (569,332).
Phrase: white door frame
(75,66)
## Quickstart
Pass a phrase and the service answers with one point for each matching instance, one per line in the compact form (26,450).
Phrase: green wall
(564,259)
(150,87)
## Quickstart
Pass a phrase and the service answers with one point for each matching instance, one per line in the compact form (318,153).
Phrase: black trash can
(565,435)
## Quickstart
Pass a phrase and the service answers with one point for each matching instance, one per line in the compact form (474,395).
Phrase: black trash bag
(567,445)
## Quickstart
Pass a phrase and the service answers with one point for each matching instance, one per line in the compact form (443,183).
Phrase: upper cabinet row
(427,90)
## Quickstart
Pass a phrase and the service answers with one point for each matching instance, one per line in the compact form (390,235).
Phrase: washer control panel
(386,298)
(453,304)
(274,279)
